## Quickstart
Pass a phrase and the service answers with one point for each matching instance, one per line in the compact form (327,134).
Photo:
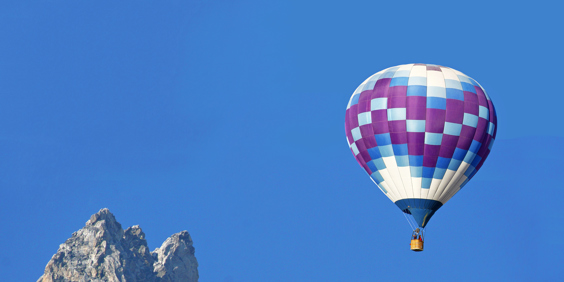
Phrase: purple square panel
(433,68)
(397,102)
(397,126)
(471,108)
(467,131)
(369,141)
(432,150)
(454,111)
(397,91)
(435,121)
(379,115)
(398,138)
(430,161)
(447,151)
(481,130)
(470,97)
(380,127)
(464,143)
(381,88)
(366,130)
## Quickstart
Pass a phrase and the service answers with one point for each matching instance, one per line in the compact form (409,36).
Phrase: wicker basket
(416,245)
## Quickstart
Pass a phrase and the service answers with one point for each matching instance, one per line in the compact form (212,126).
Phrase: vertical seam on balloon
(439,190)
(395,160)
(407,143)
(431,191)
(446,188)
(395,156)
(426,123)
(412,178)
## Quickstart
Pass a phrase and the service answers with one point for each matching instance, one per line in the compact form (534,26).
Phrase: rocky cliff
(103,251)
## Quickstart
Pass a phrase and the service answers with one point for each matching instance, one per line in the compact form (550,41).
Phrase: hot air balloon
(421,132)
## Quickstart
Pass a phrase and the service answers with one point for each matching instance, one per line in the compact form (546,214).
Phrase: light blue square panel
(469,157)
(455,84)
(433,138)
(379,104)
(491,128)
(417,80)
(484,112)
(402,73)
(426,182)
(386,151)
(364,118)
(379,164)
(396,114)
(464,78)
(454,164)
(355,98)
(436,91)
(470,120)
(452,128)
(416,171)
(439,173)
(377,177)
(402,160)
(415,125)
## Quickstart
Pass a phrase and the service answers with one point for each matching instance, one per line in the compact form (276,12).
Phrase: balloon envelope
(420,132)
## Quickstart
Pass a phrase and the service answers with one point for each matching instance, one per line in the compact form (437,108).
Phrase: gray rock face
(175,260)
(103,251)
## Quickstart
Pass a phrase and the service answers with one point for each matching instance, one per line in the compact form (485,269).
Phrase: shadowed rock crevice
(103,251)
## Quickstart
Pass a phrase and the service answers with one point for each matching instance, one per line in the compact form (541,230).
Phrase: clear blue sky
(226,119)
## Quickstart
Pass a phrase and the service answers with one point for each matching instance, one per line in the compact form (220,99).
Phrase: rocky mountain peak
(103,251)
(102,216)
(169,258)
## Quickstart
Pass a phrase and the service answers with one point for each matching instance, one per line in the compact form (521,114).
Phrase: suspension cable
(415,224)
(409,222)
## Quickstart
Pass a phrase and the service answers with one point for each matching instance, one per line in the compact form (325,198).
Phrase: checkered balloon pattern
(420,131)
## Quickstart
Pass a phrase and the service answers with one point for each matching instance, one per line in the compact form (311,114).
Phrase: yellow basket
(416,245)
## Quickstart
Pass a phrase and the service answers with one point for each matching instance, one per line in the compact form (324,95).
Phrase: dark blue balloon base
(421,209)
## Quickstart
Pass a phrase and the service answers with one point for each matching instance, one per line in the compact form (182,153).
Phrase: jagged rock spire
(103,251)
(170,259)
